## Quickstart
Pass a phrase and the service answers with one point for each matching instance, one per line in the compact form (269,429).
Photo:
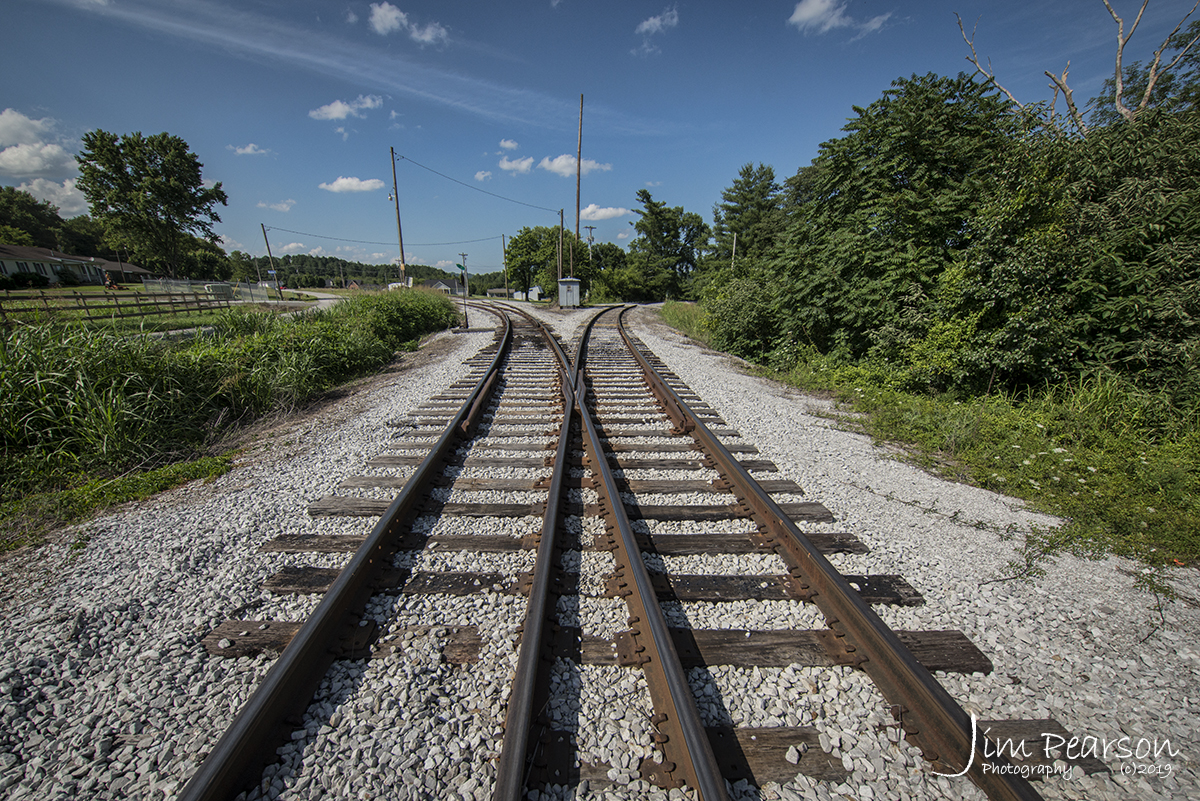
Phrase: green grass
(79,405)
(26,520)
(1119,465)
(686,317)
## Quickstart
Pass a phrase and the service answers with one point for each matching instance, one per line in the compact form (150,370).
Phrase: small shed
(568,292)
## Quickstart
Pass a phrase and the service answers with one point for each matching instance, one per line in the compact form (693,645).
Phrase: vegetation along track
(555,598)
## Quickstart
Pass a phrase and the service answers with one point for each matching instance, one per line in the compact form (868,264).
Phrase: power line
(370,242)
(476,188)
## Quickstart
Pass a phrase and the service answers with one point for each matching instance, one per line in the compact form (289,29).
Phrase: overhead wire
(476,188)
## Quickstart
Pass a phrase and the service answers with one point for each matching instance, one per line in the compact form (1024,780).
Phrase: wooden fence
(111,305)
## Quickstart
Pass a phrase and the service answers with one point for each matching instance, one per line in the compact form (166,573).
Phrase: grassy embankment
(1120,466)
(89,417)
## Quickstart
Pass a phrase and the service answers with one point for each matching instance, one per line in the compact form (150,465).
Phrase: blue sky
(293,104)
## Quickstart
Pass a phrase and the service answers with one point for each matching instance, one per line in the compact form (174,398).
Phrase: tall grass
(687,317)
(77,404)
(1121,465)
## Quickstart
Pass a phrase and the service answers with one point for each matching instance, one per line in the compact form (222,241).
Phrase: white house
(51,264)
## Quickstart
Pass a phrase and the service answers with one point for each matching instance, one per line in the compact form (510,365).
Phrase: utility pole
(466,325)
(396,197)
(560,243)
(733,258)
(591,239)
(504,261)
(271,259)
(578,175)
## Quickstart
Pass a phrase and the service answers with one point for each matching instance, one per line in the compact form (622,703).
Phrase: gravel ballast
(106,691)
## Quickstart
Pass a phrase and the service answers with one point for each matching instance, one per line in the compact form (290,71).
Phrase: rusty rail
(680,732)
(251,739)
(930,717)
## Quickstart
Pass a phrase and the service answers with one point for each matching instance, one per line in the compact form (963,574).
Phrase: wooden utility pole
(578,175)
(504,261)
(466,325)
(396,197)
(271,259)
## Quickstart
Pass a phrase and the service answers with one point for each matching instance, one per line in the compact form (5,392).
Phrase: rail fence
(18,308)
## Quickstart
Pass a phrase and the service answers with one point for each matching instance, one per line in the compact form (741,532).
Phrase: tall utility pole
(396,197)
(272,260)
(466,325)
(560,242)
(578,175)
(504,261)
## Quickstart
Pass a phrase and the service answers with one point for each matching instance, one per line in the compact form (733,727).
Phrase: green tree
(667,249)
(889,207)
(752,211)
(37,218)
(148,194)
(532,257)
(11,235)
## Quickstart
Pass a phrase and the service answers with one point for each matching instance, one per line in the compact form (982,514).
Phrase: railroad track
(555,596)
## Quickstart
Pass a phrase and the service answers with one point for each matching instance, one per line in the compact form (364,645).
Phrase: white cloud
(343,184)
(822,16)
(351,17)
(340,110)
(594,212)
(386,18)
(483,175)
(668,19)
(508,144)
(23,161)
(623,235)
(17,129)
(432,33)
(564,165)
(652,26)
(25,152)
(293,247)
(248,150)
(283,205)
(70,201)
(517,165)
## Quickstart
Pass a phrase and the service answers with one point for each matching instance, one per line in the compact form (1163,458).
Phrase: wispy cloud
(508,144)
(822,16)
(229,28)
(283,205)
(340,110)
(343,184)
(564,165)
(248,150)
(654,26)
(483,175)
(516,165)
(594,212)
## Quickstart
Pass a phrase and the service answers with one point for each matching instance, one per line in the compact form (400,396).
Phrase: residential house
(52,264)
(450,286)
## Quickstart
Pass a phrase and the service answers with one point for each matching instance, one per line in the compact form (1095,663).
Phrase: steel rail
(516,750)
(679,728)
(287,689)
(929,715)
